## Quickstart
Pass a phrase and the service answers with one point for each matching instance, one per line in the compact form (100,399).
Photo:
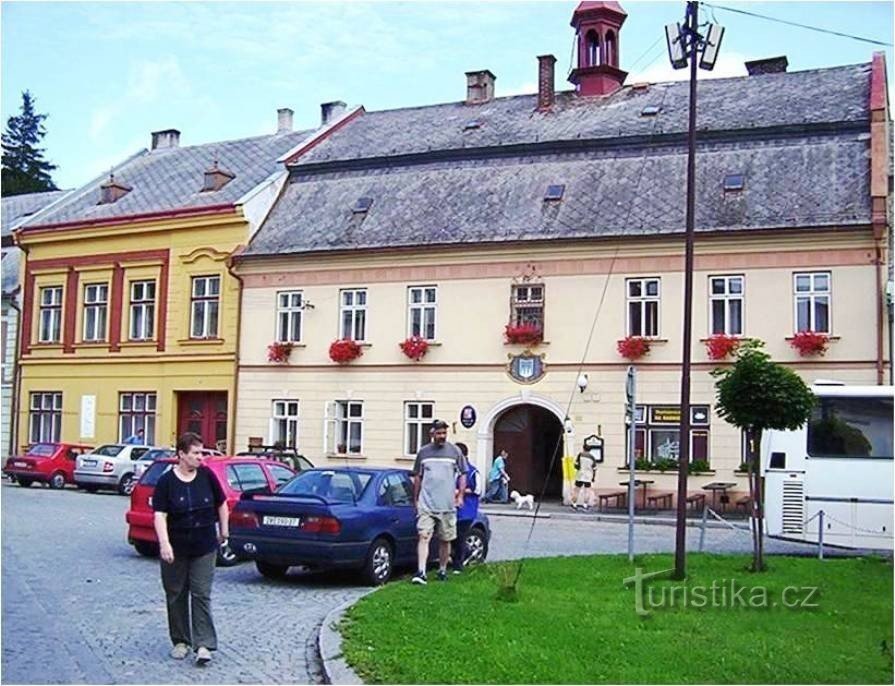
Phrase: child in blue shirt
(467,513)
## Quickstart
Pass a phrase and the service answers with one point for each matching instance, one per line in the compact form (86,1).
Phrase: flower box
(524,333)
(810,343)
(344,350)
(633,347)
(414,347)
(719,346)
(279,352)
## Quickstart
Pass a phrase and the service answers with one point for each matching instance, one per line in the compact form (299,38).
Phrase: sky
(109,73)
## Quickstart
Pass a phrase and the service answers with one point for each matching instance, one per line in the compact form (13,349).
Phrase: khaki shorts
(444,523)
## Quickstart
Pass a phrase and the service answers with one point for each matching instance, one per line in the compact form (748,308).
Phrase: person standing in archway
(498,480)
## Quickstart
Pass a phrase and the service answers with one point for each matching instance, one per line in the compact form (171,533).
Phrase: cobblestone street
(80,606)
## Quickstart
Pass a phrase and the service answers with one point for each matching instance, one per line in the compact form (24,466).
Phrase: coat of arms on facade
(526,367)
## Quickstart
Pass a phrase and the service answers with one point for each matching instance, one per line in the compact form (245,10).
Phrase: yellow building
(130,309)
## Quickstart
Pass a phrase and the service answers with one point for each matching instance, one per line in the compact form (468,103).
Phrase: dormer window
(216,178)
(112,191)
(734,182)
(362,205)
(650,111)
(554,192)
(472,124)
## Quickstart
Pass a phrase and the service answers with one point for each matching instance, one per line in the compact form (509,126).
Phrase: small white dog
(521,500)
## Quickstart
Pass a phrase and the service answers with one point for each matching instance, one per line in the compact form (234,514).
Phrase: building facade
(526,238)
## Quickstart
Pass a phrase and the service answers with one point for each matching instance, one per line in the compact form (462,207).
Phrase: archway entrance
(529,434)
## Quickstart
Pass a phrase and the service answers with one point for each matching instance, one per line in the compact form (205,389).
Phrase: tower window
(592,43)
(611,53)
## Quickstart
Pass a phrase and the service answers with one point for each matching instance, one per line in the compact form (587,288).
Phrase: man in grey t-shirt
(437,492)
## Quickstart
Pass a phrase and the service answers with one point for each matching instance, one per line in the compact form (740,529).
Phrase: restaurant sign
(660,414)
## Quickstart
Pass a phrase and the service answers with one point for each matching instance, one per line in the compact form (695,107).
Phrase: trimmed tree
(24,169)
(755,394)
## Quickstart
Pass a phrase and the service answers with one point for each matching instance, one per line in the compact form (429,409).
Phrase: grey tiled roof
(838,94)
(172,178)
(814,172)
(14,208)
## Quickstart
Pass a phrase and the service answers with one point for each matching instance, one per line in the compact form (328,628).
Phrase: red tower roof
(588,7)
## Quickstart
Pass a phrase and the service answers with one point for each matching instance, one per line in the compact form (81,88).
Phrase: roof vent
(112,191)
(362,204)
(472,124)
(734,182)
(650,111)
(479,87)
(769,65)
(555,191)
(169,138)
(216,178)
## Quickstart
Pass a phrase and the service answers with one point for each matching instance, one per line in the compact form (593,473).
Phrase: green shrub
(698,466)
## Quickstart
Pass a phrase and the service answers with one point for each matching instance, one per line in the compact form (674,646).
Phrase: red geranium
(524,333)
(414,347)
(279,351)
(719,346)
(344,350)
(810,343)
(633,347)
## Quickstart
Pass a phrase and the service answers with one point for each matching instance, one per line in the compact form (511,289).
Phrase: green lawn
(573,622)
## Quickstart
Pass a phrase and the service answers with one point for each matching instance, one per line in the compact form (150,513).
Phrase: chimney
(769,65)
(546,93)
(169,138)
(330,111)
(284,120)
(479,87)
(112,191)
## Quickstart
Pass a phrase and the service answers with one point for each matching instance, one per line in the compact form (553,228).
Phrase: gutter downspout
(231,431)
(16,380)
(880,304)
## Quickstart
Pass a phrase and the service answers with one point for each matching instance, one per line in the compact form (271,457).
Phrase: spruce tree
(24,169)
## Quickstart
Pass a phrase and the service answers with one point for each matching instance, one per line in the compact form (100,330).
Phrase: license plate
(20,464)
(89,463)
(269,520)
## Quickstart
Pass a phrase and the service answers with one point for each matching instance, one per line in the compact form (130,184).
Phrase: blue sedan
(346,518)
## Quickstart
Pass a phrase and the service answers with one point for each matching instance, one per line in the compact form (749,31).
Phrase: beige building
(560,215)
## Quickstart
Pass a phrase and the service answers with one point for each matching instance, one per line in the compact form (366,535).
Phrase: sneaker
(203,656)
(442,575)
(574,506)
(419,578)
(180,651)
(457,569)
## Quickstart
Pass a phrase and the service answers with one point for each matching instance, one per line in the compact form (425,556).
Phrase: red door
(204,414)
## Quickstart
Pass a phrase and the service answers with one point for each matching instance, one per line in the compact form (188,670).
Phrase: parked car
(288,456)
(51,463)
(345,517)
(110,466)
(142,464)
(236,475)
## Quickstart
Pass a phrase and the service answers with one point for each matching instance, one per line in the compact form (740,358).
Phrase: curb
(329,645)
(610,518)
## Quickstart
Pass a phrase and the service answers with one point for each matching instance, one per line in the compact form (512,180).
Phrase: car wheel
(271,571)
(25,483)
(146,548)
(476,547)
(226,557)
(380,562)
(126,485)
(57,481)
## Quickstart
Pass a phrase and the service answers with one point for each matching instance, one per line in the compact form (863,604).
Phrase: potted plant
(810,343)
(633,347)
(719,345)
(526,332)
(344,350)
(279,351)
(697,466)
(414,347)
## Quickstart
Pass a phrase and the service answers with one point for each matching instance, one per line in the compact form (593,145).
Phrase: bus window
(851,427)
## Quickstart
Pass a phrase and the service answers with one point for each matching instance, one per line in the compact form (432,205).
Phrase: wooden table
(637,483)
(716,486)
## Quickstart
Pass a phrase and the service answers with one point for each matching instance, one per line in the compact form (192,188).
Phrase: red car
(236,475)
(51,463)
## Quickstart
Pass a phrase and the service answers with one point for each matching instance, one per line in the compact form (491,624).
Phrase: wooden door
(204,414)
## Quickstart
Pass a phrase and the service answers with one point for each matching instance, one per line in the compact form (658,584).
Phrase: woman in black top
(188,502)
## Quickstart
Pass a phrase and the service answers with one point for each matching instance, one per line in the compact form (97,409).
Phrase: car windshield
(154,473)
(110,450)
(341,486)
(41,450)
(159,453)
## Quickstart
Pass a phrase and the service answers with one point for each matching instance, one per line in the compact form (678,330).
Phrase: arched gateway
(528,428)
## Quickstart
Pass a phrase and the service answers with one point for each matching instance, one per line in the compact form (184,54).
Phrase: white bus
(839,462)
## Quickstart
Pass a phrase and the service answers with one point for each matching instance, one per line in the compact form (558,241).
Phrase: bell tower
(597,26)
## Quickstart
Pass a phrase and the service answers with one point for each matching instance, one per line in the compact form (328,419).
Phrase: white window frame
(727,298)
(418,418)
(96,308)
(203,302)
(341,417)
(812,296)
(284,422)
(142,310)
(527,302)
(50,315)
(643,301)
(353,314)
(422,312)
(45,416)
(290,306)
(137,410)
